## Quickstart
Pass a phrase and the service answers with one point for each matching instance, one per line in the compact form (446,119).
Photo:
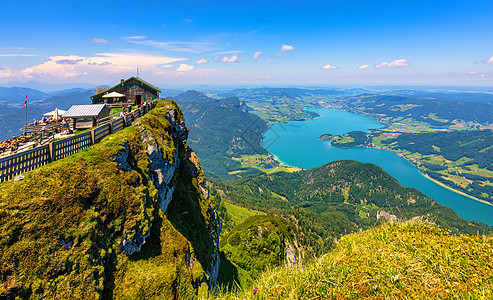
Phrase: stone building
(132,91)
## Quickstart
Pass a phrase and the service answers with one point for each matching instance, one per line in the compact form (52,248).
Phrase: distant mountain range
(49,87)
(15,96)
(446,95)
(193,96)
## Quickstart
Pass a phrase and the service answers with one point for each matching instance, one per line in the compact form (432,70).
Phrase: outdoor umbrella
(113,95)
(55,113)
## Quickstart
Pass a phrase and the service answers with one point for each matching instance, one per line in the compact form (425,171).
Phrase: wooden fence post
(51,152)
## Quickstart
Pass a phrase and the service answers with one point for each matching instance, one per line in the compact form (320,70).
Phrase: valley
(323,218)
(259,150)
(286,197)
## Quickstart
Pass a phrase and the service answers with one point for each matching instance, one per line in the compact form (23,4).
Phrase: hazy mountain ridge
(15,96)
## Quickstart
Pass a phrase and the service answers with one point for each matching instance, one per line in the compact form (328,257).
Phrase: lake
(296,144)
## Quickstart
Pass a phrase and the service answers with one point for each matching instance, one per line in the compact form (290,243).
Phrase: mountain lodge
(133,91)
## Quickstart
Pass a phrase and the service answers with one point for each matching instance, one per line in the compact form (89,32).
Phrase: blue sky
(249,42)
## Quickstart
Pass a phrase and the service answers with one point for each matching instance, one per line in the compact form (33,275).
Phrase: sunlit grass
(412,261)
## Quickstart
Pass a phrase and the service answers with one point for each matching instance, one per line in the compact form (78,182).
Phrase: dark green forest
(476,145)
(220,130)
(324,203)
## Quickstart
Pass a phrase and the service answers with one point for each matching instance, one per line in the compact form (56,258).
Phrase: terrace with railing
(15,164)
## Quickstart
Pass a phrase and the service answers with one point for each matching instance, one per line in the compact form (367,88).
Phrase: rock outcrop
(164,170)
(129,217)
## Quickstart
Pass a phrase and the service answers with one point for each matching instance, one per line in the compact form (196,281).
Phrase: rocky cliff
(129,217)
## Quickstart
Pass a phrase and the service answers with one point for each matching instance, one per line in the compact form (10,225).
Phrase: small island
(326,137)
(348,140)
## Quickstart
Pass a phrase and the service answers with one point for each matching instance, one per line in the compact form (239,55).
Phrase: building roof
(101,91)
(84,111)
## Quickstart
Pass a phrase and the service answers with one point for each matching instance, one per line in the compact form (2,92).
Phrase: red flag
(25,102)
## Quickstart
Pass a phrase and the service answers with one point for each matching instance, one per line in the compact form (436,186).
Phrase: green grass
(240,214)
(251,248)
(258,161)
(410,261)
(87,201)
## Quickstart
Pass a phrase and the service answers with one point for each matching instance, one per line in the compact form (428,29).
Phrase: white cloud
(329,67)
(99,41)
(184,68)
(286,48)
(188,20)
(256,55)
(7,73)
(70,66)
(489,60)
(399,63)
(201,61)
(473,72)
(233,58)
(363,67)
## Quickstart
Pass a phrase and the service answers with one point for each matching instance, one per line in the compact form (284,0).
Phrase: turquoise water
(296,143)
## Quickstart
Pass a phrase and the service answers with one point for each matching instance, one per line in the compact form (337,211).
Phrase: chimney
(122,80)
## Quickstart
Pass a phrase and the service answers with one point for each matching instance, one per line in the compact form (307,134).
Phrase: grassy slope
(86,201)
(240,214)
(251,247)
(411,261)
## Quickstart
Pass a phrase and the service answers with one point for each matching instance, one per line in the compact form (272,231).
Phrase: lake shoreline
(456,191)
(411,162)
(299,146)
(426,175)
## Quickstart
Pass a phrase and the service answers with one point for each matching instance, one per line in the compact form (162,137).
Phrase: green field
(260,161)
(240,214)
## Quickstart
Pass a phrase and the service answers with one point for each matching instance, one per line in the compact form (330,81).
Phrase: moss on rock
(63,226)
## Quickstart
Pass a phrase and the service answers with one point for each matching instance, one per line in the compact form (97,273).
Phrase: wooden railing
(71,145)
(101,132)
(117,125)
(13,165)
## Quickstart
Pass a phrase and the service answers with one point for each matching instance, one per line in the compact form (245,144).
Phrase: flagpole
(25,110)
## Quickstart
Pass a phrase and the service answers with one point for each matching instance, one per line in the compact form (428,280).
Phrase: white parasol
(113,95)
(55,113)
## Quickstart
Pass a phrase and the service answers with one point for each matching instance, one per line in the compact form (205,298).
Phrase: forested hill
(220,130)
(341,196)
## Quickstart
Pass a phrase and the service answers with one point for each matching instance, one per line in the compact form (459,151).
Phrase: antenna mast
(138,70)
